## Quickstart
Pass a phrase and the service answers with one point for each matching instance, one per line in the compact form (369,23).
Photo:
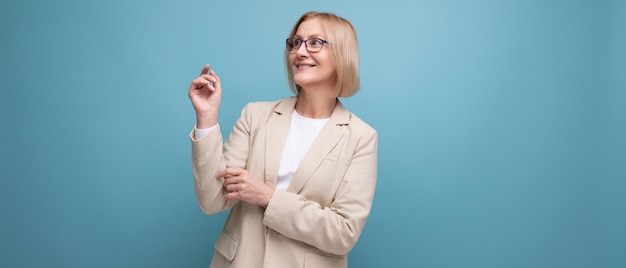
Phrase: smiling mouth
(304,66)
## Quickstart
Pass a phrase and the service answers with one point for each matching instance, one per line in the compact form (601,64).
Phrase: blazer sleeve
(209,155)
(336,228)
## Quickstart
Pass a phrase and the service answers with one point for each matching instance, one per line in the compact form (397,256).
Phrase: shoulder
(343,116)
(360,127)
(362,138)
(256,114)
(268,107)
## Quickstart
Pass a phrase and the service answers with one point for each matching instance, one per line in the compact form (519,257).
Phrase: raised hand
(205,93)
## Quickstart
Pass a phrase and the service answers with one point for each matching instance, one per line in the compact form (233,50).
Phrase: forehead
(310,28)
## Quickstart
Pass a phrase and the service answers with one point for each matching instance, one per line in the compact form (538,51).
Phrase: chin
(301,81)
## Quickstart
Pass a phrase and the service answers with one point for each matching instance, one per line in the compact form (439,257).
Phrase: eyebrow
(310,36)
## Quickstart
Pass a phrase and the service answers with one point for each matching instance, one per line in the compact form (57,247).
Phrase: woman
(299,173)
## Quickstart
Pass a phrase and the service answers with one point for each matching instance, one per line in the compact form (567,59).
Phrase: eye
(293,43)
(317,42)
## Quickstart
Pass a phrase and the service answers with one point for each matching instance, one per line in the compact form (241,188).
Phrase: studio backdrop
(501,127)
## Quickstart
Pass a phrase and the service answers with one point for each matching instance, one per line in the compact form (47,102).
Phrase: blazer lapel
(275,136)
(325,141)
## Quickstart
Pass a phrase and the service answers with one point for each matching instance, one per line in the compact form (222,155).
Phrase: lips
(303,66)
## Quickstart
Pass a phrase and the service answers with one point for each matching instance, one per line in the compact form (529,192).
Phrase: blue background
(501,125)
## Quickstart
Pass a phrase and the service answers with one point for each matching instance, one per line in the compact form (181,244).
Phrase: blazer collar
(340,116)
(327,139)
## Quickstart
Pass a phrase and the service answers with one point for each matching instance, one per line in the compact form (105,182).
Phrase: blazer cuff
(199,133)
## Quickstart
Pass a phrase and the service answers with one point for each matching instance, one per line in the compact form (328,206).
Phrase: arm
(336,228)
(207,159)
(205,93)
(210,157)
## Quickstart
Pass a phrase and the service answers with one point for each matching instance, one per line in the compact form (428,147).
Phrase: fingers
(234,179)
(234,195)
(217,83)
(211,81)
(206,69)
(208,78)
(240,185)
(233,182)
(207,72)
(200,83)
(232,188)
(230,172)
(214,79)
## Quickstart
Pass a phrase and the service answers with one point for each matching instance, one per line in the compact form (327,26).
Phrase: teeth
(304,66)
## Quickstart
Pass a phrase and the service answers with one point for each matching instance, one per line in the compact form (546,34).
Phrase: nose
(301,51)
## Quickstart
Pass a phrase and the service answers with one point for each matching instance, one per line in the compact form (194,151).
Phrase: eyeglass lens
(312,45)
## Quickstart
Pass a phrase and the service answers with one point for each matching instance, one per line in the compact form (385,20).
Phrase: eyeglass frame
(306,45)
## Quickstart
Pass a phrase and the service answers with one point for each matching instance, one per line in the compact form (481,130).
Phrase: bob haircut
(342,39)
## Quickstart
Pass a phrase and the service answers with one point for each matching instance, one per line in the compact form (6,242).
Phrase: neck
(315,105)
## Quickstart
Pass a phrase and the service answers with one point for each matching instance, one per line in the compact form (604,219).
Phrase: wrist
(205,121)
(268,198)
(204,125)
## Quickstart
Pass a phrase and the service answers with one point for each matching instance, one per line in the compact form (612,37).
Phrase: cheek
(329,62)
(291,57)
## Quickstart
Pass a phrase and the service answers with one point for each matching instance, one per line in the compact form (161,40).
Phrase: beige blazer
(319,218)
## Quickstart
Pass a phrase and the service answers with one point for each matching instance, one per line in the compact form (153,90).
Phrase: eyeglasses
(311,45)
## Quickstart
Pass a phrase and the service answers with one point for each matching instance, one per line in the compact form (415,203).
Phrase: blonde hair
(342,38)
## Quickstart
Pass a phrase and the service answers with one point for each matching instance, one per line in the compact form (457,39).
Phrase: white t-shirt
(302,133)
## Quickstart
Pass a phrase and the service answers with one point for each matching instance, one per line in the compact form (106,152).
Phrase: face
(313,69)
